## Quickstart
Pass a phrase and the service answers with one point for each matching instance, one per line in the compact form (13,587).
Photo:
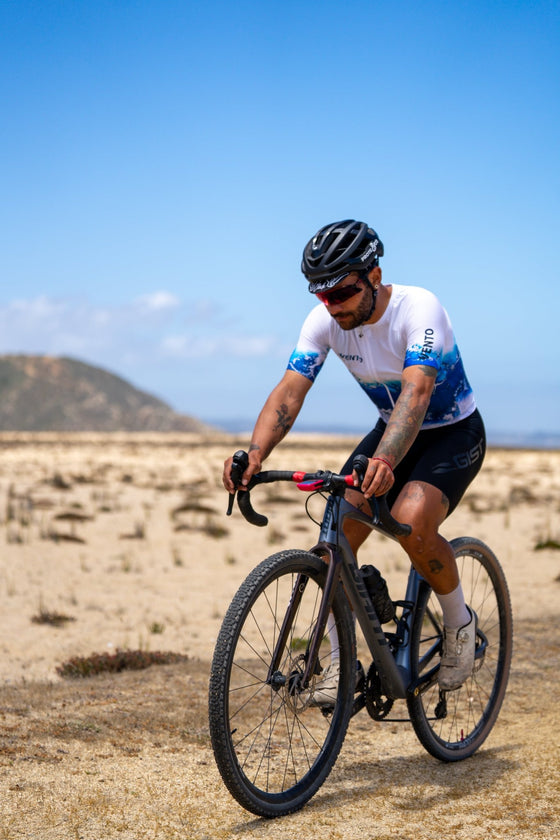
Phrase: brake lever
(360,465)
(238,467)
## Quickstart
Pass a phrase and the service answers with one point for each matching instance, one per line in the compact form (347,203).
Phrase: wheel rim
(277,734)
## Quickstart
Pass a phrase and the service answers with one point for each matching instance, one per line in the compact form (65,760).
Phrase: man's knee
(421,542)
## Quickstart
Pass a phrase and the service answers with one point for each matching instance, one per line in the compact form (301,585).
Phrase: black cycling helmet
(336,250)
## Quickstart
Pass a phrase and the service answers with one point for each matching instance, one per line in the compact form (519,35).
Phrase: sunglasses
(340,295)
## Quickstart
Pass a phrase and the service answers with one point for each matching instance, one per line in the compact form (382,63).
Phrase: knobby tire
(273,746)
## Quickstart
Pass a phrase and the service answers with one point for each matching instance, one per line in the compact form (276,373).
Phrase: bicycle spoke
(453,724)
(273,744)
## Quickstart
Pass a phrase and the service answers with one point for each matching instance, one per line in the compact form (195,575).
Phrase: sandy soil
(126,537)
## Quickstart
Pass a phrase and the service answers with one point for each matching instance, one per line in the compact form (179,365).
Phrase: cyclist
(429,441)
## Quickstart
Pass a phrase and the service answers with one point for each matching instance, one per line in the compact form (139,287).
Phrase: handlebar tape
(250,514)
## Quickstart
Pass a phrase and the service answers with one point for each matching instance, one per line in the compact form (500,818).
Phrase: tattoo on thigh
(435,566)
(413,491)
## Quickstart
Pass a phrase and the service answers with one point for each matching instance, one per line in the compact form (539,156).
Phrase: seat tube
(402,657)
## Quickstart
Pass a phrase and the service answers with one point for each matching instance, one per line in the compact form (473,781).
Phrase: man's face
(352,312)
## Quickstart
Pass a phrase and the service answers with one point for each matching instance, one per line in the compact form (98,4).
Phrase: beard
(350,320)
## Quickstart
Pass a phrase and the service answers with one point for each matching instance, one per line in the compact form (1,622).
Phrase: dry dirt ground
(128,755)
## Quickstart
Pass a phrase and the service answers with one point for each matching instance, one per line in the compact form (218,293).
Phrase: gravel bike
(296,613)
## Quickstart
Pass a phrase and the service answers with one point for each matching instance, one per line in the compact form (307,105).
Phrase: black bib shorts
(448,457)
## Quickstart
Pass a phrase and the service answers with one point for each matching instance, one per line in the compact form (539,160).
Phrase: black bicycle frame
(394,670)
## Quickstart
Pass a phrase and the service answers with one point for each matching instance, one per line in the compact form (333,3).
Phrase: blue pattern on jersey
(422,355)
(450,388)
(307,364)
(383,394)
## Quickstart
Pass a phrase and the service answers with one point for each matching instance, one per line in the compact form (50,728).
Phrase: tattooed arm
(406,421)
(409,412)
(273,424)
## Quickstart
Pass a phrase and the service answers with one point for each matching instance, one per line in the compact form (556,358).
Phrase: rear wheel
(274,746)
(452,725)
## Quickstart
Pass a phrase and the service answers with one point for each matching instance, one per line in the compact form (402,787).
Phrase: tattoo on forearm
(253,447)
(404,425)
(284,421)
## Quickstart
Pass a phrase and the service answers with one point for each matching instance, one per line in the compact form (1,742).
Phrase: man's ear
(375,275)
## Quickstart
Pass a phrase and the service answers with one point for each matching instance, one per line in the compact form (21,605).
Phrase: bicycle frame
(394,671)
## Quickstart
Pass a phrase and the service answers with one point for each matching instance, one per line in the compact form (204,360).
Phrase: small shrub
(548,543)
(214,529)
(192,507)
(177,559)
(275,536)
(139,532)
(132,660)
(53,618)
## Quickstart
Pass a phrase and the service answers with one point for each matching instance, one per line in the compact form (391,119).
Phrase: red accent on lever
(311,485)
(349,480)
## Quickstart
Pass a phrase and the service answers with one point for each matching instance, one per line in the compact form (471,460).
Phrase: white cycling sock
(333,638)
(455,612)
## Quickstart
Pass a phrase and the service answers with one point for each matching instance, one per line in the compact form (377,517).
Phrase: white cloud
(159,301)
(36,310)
(186,346)
(151,326)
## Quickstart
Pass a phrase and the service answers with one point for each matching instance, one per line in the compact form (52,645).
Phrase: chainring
(377,705)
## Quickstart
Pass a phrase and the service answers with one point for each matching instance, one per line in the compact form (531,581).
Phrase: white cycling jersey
(414,330)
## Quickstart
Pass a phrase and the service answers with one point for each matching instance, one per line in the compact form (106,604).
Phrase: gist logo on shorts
(462,460)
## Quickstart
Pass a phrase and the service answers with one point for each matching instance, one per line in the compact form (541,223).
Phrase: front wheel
(452,725)
(273,743)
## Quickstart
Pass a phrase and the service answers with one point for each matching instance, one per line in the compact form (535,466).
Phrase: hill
(44,393)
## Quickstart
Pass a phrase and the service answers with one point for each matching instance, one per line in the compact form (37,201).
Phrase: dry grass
(127,755)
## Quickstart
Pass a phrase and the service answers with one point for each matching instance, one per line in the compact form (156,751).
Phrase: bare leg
(424,507)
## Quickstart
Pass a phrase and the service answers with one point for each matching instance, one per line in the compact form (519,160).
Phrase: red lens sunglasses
(335,296)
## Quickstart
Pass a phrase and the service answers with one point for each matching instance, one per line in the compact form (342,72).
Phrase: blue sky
(163,164)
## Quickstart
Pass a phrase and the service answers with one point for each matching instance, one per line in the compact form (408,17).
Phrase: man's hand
(378,478)
(255,466)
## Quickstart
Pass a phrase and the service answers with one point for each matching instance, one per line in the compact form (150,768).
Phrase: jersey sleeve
(312,346)
(427,331)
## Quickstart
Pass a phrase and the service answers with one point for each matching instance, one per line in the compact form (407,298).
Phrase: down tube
(394,678)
